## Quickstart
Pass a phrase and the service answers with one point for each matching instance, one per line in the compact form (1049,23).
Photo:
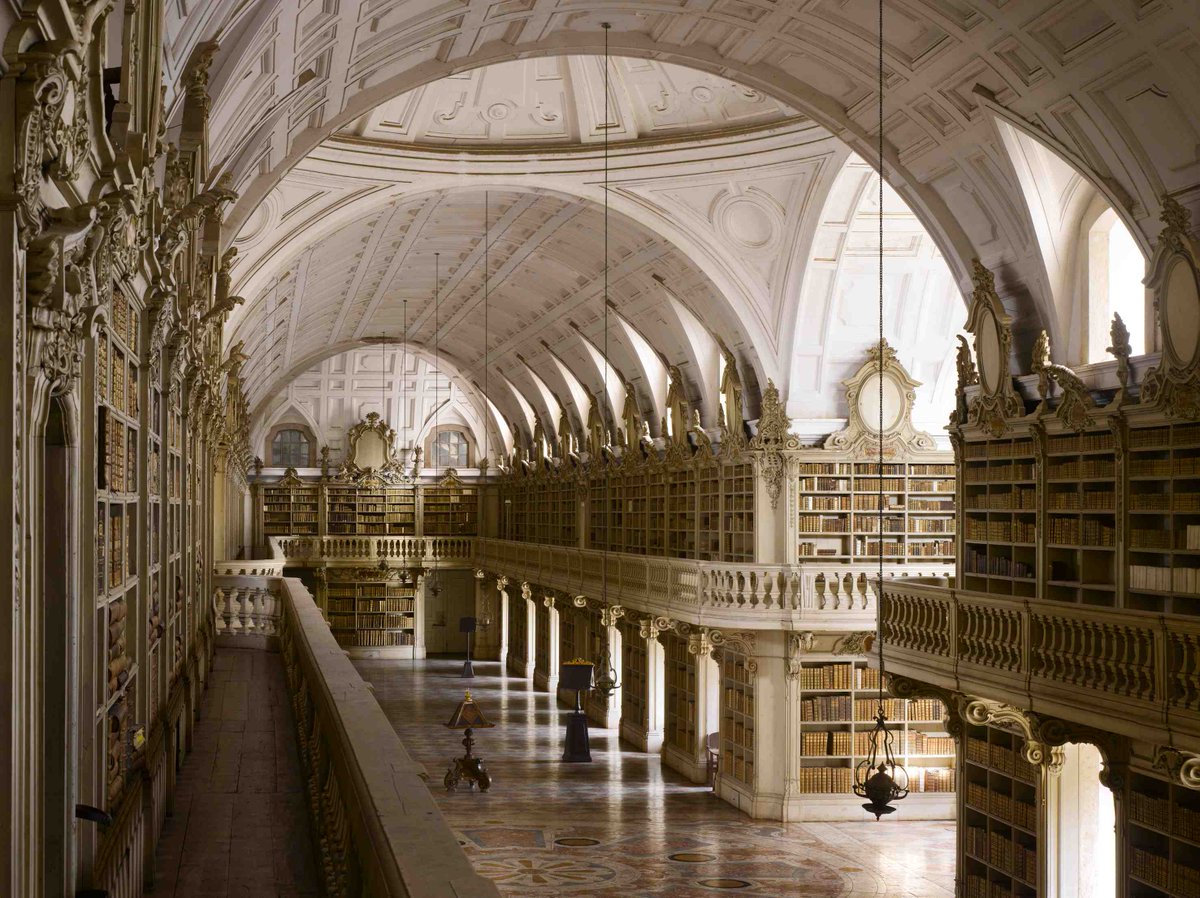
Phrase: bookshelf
(518,631)
(737,718)
(680,712)
(1001,516)
(634,675)
(1163,839)
(369,614)
(839,502)
(838,700)
(708,512)
(119,509)
(541,640)
(450,508)
(737,519)
(1000,818)
(1164,518)
(290,507)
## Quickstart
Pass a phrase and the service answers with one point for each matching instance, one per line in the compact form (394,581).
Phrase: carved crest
(991,326)
(880,385)
(1174,278)
(1075,405)
(770,441)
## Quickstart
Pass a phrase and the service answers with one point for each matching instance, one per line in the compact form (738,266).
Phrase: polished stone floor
(240,825)
(623,825)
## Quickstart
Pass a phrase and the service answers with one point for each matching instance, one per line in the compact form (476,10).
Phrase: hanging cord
(879,480)
(404,367)
(486,400)
(607,415)
(437,355)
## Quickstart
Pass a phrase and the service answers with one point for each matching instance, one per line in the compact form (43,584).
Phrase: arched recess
(331,391)
(57,630)
(1062,201)
(717,290)
(836,315)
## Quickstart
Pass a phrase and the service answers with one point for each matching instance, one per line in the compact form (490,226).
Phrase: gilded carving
(1173,385)
(997,402)
(1076,405)
(770,442)
(861,436)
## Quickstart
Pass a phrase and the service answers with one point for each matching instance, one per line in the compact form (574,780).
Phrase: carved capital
(1183,767)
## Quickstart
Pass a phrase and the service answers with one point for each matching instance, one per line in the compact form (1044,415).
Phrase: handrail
(381,830)
(426,549)
(1137,670)
(810,594)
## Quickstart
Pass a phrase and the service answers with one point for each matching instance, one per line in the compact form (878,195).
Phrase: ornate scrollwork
(860,436)
(1076,405)
(1120,349)
(854,643)
(1174,383)
(903,687)
(968,376)
(1183,767)
(770,442)
(991,325)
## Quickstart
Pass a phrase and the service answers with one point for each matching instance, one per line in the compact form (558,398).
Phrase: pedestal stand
(468,767)
(467,625)
(577,749)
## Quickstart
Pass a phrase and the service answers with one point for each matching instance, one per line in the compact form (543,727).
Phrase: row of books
(1002,807)
(838,676)
(1164,579)
(1003,853)
(825,743)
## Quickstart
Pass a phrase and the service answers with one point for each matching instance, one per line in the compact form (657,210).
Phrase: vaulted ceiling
(731,123)
(1110,83)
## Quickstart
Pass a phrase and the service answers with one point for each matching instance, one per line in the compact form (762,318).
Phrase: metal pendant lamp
(878,777)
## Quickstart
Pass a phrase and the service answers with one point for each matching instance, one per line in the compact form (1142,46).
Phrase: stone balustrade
(244,610)
(377,823)
(1130,672)
(424,549)
(808,595)
(261,567)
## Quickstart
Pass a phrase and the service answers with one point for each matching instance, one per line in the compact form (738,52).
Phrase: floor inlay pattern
(624,826)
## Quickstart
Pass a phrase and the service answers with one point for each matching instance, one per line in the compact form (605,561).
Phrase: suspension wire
(404,366)
(879,480)
(486,400)
(608,412)
(437,355)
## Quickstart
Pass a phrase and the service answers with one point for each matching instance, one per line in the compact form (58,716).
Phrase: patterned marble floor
(624,825)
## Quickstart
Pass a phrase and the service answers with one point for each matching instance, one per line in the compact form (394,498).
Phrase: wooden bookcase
(117,380)
(1163,839)
(681,698)
(634,674)
(1164,518)
(838,701)
(839,503)
(1000,511)
(290,508)
(518,629)
(1000,818)
(368,612)
(737,718)
(450,508)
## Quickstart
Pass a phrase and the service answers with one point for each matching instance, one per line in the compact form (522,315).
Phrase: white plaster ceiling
(559,100)
(1110,82)
(408,388)
(546,265)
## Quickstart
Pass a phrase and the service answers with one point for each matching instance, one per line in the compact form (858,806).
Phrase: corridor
(623,825)
(240,827)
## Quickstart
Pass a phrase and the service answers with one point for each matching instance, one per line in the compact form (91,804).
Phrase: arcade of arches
(357,347)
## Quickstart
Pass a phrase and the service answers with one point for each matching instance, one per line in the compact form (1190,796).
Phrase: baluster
(247,611)
(233,625)
(219,611)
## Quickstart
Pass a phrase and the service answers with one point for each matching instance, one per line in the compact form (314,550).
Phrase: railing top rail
(416,851)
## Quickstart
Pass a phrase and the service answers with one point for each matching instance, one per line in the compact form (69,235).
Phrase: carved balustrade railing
(1124,671)
(437,549)
(808,594)
(242,608)
(375,820)
(260,567)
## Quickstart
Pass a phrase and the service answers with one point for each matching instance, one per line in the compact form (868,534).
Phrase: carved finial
(1040,364)
(773,423)
(1121,349)
(967,374)
(982,278)
(1177,220)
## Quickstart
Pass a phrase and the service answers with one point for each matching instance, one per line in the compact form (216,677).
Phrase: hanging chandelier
(878,777)
(605,681)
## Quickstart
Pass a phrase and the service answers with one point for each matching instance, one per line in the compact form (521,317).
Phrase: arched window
(450,450)
(290,449)
(1115,272)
